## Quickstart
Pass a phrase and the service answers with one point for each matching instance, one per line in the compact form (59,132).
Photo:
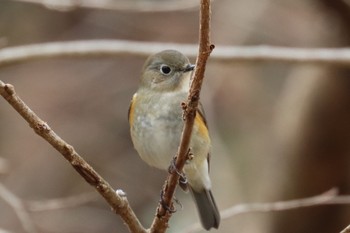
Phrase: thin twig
(160,222)
(126,5)
(324,198)
(119,203)
(60,203)
(328,198)
(263,53)
(4,231)
(346,230)
(19,209)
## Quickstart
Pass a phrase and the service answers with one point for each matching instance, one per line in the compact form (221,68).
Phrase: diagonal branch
(160,222)
(118,202)
(19,208)
(329,197)
(61,203)
(346,230)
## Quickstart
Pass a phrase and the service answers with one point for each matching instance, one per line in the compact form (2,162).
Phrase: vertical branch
(160,222)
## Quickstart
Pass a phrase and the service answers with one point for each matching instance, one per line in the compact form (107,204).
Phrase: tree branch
(346,230)
(126,5)
(18,206)
(335,56)
(4,231)
(328,198)
(119,203)
(160,222)
(60,203)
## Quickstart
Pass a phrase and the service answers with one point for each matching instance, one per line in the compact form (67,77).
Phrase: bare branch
(346,230)
(19,209)
(160,222)
(328,198)
(119,203)
(324,198)
(4,231)
(10,55)
(85,48)
(126,5)
(60,203)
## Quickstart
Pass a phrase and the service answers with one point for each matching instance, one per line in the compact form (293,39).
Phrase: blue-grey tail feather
(208,211)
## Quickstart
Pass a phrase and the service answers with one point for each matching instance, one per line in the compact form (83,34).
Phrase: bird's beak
(189,67)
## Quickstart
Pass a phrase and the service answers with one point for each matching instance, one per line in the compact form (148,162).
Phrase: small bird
(155,118)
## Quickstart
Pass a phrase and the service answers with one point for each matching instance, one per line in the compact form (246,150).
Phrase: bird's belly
(157,140)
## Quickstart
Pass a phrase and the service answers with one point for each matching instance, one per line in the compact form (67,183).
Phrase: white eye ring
(165,69)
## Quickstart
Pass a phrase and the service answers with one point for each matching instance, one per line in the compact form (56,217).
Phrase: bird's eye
(164,69)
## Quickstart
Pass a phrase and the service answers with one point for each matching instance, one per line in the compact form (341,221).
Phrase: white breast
(157,128)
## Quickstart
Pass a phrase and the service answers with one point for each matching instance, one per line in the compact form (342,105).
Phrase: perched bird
(155,118)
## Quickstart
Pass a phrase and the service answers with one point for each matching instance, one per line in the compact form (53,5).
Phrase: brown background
(280,131)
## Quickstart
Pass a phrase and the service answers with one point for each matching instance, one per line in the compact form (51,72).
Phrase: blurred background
(280,131)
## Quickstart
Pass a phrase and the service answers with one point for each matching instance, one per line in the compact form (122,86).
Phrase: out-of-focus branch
(330,197)
(263,53)
(19,208)
(117,200)
(60,203)
(160,222)
(346,230)
(121,5)
(4,231)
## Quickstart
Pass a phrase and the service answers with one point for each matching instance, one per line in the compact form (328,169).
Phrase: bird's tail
(208,211)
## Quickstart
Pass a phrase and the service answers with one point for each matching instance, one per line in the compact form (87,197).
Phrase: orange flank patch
(131,111)
(202,127)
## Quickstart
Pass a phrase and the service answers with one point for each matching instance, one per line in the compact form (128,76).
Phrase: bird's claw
(164,205)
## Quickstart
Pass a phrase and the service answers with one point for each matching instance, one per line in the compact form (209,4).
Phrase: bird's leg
(172,168)
(190,155)
(164,205)
(178,202)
